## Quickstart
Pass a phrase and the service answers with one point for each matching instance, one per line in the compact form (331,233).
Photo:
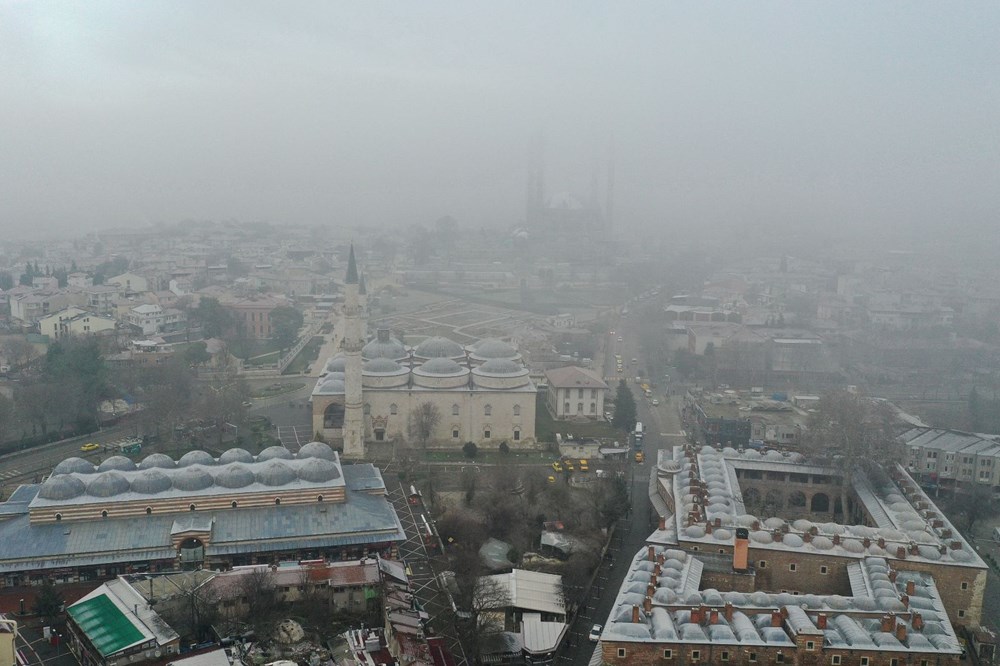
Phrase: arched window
(191,507)
(368,409)
(593,408)
(454,410)
(58,517)
(104,514)
(517,434)
(277,500)
(234,504)
(487,431)
(319,498)
(149,510)
(488,410)
(393,409)
(517,410)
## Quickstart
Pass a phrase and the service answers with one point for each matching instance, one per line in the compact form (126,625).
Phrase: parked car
(595,633)
(90,446)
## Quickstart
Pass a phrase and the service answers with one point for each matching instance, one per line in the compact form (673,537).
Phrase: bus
(637,436)
(130,446)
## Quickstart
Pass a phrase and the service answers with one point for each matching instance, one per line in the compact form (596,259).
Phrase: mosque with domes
(366,393)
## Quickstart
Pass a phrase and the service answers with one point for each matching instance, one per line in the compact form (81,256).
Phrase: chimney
(866,542)
(813,530)
(905,600)
(635,613)
(914,550)
(888,621)
(807,537)
(703,612)
(937,523)
(901,633)
(650,590)
(663,523)
(956,545)
(695,616)
(946,533)
(821,621)
(651,554)
(775,618)
(709,527)
(657,570)
(713,617)
(741,547)
(881,543)
(778,536)
(942,549)
(784,612)
(727,612)
(718,522)
(918,622)
(892,575)
(661,558)
(911,588)
(836,539)
(900,553)
(647,605)
(755,525)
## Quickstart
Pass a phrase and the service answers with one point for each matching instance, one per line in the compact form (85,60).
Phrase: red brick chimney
(836,539)
(651,553)
(727,611)
(900,553)
(905,600)
(866,542)
(657,569)
(914,550)
(881,543)
(708,528)
(647,605)
(807,537)
(901,633)
(911,587)
(918,622)
(635,613)
(887,623)
(956,545)
(713,616)
(892,575)
(784,612)
(650,590)
(775,618)
(946,533)
(695,616)
(821,621)
(755,525)
(937,523)
(778,536)
(718,522)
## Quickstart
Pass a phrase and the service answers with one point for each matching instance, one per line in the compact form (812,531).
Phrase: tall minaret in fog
(353,432)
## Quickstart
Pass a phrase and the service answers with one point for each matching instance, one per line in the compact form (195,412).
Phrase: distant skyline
(743,117)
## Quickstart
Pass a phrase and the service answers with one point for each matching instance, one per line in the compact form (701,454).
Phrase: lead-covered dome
(330,385)
(71,465)
(384,346)
(439,347)
(440,366)
(119,463)
(382,366)
(62,487)
(107,484)
(499,366)
(193,478)
(234,475)
(275,473)
(273,453)
(493,348)
(196,458)
(235,454)
(157,460)
(336,364)
(319,470)
(317,450)
(150,482)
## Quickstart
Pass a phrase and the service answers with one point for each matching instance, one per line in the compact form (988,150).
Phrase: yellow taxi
(557,466)
(90,446)
(584,465)
(552,479)
(569,465)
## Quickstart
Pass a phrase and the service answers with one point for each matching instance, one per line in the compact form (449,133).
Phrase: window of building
(695,655)
(762,564)
(725,655)
(894,662)
(517,410)
(579,408)
(454,433)
(319,498)
(923,662)
(668,654)
(191,507)
(486,434)
(488,410)
(864,661)
(277,500)
(368,408)
(835,660)
(393,409)
(593,408)
(965,586)
(517,434)
(792,567)
(823,570)
(621,652)
(961,613)
(454,410)
(58,517)
(104,514)
(566,408)
(579,393)
(752,657)
(810,645)
(779,658)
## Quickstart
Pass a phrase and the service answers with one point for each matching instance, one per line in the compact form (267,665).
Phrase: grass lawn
(272,357)
(305,357)
(546,427)
(246,349)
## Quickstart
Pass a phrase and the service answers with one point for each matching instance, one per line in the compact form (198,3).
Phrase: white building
(575,392)
(152,318)
(131,283)
(74,321)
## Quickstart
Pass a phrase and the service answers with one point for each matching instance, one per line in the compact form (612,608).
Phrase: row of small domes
(434,347)
(155,480)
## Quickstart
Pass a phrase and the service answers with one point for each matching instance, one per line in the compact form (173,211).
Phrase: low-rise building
(75,321)
(575,392)
(952,458)
(151,319)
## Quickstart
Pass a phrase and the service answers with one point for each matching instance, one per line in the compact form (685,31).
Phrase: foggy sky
(756,115)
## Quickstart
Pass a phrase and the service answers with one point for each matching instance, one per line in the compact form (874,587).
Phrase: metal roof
(105,625)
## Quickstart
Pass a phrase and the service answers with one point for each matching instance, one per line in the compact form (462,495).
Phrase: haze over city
(722,116)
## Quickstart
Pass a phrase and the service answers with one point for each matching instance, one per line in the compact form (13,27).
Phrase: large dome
(275,473)
(382,366)
(336,364)
(61,487)
(234,475)
(108,484)
(150,482)
(158,460)
(119,463)
(78,465)
(493,348)
(384,346)
(235,455)
(319,470)
(441,366)
(274,452)
(500,366)
(438,347)
(329,385)
(196,458)
(193,478)
(317,450)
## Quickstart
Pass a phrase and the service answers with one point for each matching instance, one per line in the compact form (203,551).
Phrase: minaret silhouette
(353,432)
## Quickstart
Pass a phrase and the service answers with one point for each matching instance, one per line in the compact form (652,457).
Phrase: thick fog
(770,116)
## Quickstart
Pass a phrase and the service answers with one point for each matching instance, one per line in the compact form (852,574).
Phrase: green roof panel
(105,625)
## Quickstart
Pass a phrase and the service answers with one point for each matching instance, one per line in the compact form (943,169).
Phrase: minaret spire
(354,333)
(352,268)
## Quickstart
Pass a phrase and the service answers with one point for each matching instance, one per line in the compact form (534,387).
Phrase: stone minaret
(354,427)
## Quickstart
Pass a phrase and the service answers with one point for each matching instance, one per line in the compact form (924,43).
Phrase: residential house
(102,298)
(252,314)
(79,279)
(575,392)
(74,321)
(28,308)
(45,282)
(152,318)
(131,283)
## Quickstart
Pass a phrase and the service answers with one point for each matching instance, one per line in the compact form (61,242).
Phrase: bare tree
(19,351)
(422,422)
(487,608)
